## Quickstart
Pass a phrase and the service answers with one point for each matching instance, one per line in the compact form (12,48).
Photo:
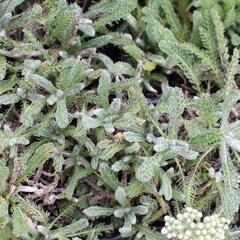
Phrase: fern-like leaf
(171,16)
(184,61)
(118,10)
(231,72)
(108,176)
(135,189)
(222,42)
(42,154)
(77,175)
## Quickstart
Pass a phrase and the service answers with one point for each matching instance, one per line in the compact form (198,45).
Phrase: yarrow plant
(116,113)
(191,225)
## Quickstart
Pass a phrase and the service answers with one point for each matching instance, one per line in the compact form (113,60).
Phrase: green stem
(156,124)
(61,214)
(202,158)
(237,156)
(5,116)
(196,168)
(180,168)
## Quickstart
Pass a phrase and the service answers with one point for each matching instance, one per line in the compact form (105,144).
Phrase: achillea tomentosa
(188,226)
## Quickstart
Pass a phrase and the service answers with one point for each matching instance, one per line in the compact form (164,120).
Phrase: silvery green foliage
(69,229)
(6,13)
(103,118)
(191,48)
(230,185)
(61,92)
(10,138)
(46,89)
(125,211)
(108,119)
(145,231)
(110,11)
(9,99)
(176,146)
(116,140)
(53,131)
(72,231)
(166,188)
(232,137)
(62,19)
(176,107)
(146,170)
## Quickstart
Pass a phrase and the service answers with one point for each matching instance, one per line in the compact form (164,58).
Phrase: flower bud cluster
(191,226)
